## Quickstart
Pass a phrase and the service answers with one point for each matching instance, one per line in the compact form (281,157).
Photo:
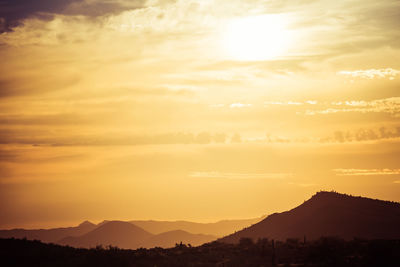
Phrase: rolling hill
(49,235)
(129,236)
(133,234)
(220,228)
(329,214)
(169,239)
(115,233)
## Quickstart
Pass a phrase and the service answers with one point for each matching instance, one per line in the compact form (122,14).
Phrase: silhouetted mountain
(171,238)
(166,233)
(49,235)
(130,236)
(220,228)
(115,233)
(329,214)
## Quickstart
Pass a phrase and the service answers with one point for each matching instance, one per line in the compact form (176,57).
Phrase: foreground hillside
(329,214)
(325,252)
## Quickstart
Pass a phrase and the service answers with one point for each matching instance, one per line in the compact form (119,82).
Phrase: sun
(256,38)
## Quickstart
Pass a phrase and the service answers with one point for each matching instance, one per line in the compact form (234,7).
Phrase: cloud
(366,172)
(219,138)
(386,105)
(312,102)
(12,12)
(289,103)
(47,137)
(239,105)
(365,135)
(371,73)
(236,138)
(276,139)
(231,175)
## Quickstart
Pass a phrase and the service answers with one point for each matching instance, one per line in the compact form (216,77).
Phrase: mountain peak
(328,195)
(86,223)
(333,197)
(329,214)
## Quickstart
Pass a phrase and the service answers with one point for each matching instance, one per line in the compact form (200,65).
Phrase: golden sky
(194,109)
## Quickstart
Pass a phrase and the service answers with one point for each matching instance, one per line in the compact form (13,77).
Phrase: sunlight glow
(256,38)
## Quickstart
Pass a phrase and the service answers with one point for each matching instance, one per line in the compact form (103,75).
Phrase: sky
(195,110)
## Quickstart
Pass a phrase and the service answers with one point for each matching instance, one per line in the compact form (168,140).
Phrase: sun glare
(256,38)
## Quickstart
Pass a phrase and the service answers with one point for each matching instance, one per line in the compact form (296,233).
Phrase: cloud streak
(387,105)
(13,12)
(235,175)
(371,73)
(46,138)
(366,172)
(239,105)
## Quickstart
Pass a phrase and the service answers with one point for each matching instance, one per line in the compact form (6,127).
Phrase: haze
(194,110)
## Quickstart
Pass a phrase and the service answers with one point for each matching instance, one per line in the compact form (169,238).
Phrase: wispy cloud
(387,105)
(366,135)
(371,73)
(234,175)
(239,105)
(366,172)
(289,103)
(44,138)
(13,12)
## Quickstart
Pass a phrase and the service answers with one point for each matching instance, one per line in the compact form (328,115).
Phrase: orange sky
(195,110)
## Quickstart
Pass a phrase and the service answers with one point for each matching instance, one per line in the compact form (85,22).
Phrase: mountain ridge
(219,228)
(129,236)
(328,214)
(115,233)
(49,235)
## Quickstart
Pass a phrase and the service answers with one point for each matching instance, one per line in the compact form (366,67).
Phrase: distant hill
(329,214)
(49,235)
(133,234)
(130,236)
(169,239)
(219,228)
(116,233)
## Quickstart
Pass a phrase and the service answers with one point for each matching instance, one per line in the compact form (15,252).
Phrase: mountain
(116,233)
(219,229)
(49,235)
(169,239)
(329,214)
(127,235)
(133,234)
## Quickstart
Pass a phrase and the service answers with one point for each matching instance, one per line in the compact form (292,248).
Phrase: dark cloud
(365,135)
(236,138)
(48,137)
(12,12)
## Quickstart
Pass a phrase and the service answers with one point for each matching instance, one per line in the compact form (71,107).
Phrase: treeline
(323,252)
